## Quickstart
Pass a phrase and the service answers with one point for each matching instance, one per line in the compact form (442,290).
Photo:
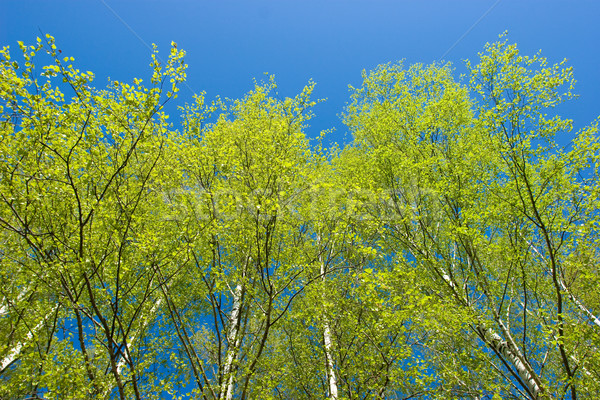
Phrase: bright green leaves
(450,251)
(517,91)
(406,120)
(81,208)
(174,70)
(240,183)
(418,102)
(481,199)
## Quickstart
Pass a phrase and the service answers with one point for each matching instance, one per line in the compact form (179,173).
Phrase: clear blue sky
(230,42)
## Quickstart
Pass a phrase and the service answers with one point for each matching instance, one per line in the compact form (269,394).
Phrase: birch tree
(449,251)
(490,208)
(80,212)
(237,204)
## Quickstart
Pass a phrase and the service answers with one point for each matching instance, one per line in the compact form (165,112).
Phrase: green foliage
(490,209)
(450,251)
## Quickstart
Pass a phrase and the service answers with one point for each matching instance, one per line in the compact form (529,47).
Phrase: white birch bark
(564,288)
(13,354)
(6,303)
(327,342)
(579,304)
(127,354)
(147,320)
(509,351)
(511,355)
(333,389)
(233,341)
(123,361)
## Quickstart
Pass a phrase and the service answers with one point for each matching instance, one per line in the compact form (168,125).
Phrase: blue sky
(228,43)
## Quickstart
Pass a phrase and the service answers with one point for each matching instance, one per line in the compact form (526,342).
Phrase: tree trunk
(510,353)
(16,350)
(233,341)
(513,356)
(327,342)
(333,389)
(147,320)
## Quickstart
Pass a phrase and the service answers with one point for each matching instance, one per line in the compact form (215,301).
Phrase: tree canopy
(449,251)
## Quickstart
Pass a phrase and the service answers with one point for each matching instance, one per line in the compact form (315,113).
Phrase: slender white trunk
(564,288)
(6,303)
(233,342)
(13,354)
(512,355)
(131,340)
(327,342)
(580,305)
(333,389)
(123,361)
(509,351)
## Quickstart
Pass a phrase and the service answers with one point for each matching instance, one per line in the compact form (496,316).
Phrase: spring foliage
(449,251)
